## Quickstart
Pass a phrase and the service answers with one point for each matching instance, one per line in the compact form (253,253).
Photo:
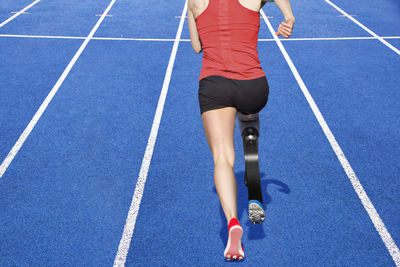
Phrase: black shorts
(247,96)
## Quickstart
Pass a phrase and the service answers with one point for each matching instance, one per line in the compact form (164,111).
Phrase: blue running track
(65,194)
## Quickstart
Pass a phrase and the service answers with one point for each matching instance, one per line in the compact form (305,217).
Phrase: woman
(232,83)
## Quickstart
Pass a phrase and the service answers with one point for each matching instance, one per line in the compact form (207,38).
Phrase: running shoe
(256,211)
(234,247)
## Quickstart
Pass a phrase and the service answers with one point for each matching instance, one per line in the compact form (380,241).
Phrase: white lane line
(16,12)
(364,27)
(41,36)
(7,161)
(83,37)
(349,15)
(369,207)
(19,13)
(129,227)
(330,38)
(134,39)
(188,40)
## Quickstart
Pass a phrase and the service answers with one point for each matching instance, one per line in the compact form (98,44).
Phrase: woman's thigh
(219,127)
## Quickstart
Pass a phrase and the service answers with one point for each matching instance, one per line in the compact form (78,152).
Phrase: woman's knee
(225,157)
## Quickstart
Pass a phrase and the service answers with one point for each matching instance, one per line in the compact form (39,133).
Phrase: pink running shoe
(234,247)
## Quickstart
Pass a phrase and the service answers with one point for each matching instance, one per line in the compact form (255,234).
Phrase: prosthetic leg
(249,125)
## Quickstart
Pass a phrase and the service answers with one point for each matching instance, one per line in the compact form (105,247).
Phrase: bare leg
(219,126)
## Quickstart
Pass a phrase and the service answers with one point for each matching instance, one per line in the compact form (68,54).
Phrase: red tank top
(229,34)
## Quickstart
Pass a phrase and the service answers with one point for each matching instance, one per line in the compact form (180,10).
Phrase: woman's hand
(286,27)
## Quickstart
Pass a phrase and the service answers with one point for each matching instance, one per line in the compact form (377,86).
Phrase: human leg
(219,125)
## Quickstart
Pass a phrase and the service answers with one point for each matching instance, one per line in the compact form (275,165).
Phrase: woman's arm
(194,35)
(286,27)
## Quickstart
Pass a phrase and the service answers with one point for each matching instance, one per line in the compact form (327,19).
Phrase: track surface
(65,196)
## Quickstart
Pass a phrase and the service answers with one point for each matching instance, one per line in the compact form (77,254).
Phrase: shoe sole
(256,213)
(233,250)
